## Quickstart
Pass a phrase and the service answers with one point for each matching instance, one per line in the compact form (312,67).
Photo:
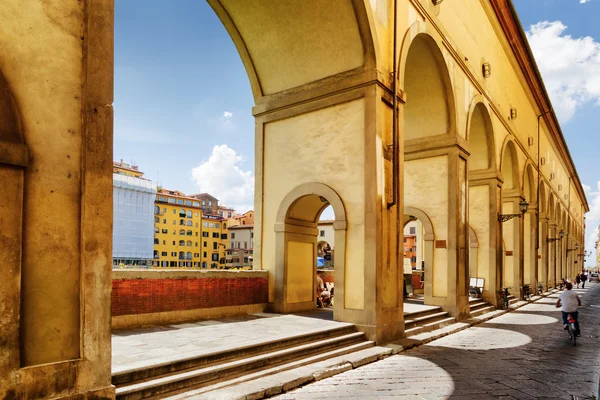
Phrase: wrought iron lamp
(561,235)
(507,217)
(576,248)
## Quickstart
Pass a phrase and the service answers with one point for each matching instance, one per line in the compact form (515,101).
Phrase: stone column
(552,279)
(513,237)
(543,268)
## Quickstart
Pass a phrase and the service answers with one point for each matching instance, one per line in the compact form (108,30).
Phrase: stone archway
(433,277)
(296,235)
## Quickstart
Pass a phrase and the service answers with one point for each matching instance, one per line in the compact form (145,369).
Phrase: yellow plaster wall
(422,178)
(324,146)
(300,272)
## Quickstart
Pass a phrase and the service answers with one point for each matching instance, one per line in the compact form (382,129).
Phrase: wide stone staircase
(215,371)
(432,318)
(479,306)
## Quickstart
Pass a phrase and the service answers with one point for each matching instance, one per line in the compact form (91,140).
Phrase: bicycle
(504,303)
(572,329)
(526,292)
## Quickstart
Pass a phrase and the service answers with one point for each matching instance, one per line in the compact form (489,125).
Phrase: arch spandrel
(336,36)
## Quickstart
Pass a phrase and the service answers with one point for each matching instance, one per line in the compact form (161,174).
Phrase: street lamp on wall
(561,235)
(507,217)
(576,248)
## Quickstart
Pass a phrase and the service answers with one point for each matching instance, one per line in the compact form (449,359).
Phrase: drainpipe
(395,160)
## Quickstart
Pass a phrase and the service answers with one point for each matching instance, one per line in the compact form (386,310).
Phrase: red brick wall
(141,296)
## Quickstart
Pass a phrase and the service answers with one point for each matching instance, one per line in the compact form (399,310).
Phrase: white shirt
(569,301)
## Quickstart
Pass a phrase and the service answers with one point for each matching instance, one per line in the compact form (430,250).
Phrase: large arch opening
(483,187)
(427,111)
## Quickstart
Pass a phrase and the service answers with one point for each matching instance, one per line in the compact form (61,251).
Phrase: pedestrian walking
(578,280)
(583,280)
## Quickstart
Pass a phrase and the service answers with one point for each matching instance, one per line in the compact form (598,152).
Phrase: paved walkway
(524,354)
(137,348)
(158,344)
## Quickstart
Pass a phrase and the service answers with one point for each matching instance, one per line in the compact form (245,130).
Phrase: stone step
(423,313)
(160,385)
(283,381)
(359,354)
(483,310)
(427,327)
(477,305)
(129,375)
(422,320)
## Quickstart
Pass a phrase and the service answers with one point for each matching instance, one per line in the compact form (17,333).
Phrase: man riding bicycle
(569,301)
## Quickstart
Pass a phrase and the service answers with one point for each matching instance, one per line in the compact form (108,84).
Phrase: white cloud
(568,65)
(586,188)
(583,1)
(228,115)
(222,177)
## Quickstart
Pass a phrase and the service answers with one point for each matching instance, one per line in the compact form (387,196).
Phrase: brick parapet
(143,291)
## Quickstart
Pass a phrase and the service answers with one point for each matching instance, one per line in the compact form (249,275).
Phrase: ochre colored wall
(292,149)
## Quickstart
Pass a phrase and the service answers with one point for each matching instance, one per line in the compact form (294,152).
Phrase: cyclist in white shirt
(569,301)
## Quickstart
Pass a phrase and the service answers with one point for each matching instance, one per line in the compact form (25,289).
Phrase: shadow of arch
(296,230)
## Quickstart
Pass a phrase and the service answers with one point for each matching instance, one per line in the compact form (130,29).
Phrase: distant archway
(426,248)
(296,246)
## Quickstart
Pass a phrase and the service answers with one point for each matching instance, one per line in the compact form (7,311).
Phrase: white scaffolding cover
(133,217)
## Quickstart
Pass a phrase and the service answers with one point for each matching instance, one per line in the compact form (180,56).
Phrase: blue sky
(183,102)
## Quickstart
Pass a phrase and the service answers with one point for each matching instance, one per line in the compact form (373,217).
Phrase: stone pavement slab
(524,354)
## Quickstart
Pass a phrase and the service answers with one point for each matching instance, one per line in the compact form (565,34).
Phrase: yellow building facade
(214,241)
(436,109)
(177,230)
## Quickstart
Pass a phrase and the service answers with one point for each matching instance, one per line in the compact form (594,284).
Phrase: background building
(240,254)
(210,204)
(214,241)
(133,198)
(246,218)
(177,227)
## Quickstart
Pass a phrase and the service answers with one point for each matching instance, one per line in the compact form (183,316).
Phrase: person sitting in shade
(323,296)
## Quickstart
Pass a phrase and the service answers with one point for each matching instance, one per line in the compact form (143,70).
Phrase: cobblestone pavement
(524,354)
